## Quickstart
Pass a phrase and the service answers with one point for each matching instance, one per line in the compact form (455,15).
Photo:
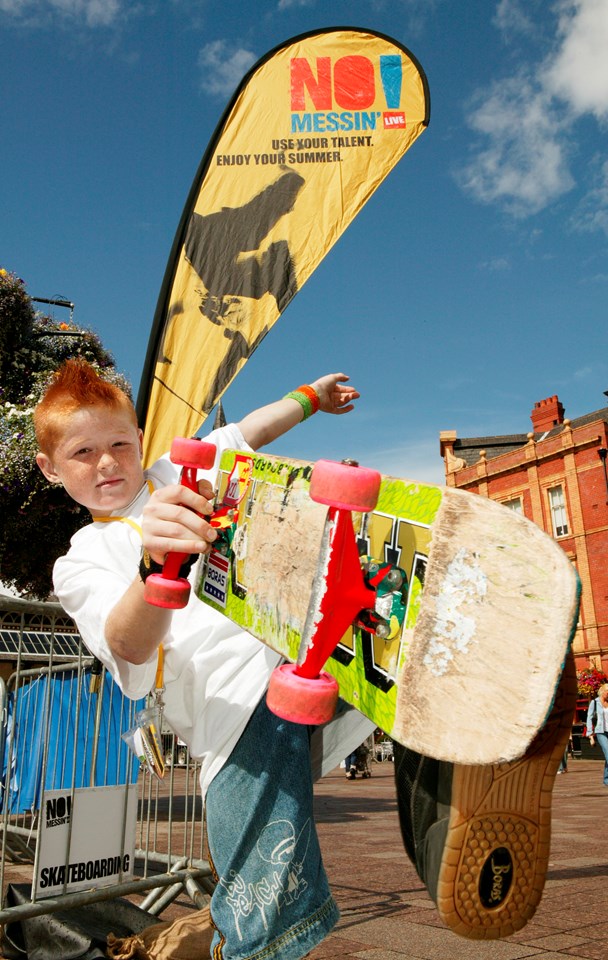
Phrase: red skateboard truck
(168,589)
(343,592)
(303,692)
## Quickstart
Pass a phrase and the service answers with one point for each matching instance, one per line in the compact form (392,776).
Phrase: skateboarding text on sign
(87,838)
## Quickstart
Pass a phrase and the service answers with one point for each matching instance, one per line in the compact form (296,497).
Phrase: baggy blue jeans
(272,899)
(602,741)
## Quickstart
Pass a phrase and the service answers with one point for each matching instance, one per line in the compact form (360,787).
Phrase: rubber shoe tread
(482,848)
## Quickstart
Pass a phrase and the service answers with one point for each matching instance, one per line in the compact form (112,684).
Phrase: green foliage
(37,519)
(16,323)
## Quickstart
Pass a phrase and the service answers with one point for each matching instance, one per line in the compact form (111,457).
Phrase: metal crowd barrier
(61,725)
(383,751)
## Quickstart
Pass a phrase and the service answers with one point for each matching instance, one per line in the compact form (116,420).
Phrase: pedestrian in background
(597,724)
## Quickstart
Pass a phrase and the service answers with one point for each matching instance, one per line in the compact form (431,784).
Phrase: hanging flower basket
(589,681)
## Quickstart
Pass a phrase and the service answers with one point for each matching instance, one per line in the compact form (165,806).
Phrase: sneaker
(479,836)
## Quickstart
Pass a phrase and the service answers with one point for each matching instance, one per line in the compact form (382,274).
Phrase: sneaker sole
(495,858)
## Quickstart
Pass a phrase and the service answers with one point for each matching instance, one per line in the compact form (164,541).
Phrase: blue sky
(472,284)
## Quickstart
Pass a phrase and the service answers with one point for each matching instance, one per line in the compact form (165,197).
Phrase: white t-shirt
(214,672)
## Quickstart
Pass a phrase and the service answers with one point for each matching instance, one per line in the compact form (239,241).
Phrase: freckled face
(98,459)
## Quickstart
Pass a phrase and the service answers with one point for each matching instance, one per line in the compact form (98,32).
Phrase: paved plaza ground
(387,914)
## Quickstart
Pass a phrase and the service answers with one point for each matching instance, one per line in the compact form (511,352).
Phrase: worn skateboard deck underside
(491,607)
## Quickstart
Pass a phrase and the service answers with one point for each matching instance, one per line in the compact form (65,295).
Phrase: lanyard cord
(159,681)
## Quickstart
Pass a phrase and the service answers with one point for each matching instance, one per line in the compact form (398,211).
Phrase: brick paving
(387,914)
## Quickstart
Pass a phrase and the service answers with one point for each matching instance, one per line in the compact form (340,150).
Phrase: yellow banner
(311,132)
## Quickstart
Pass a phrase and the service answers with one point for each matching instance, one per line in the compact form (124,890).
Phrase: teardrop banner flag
(310,133)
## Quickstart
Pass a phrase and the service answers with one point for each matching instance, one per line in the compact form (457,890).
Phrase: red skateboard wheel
(168,589)
(345,486)
(195,454)
(301,699)
(162,592)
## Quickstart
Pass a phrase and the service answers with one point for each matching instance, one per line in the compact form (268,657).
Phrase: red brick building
(557,476)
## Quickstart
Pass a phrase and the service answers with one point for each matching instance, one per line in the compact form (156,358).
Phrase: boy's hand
(334,395)
(171,521)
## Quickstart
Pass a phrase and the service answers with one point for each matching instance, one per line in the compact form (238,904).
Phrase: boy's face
(98,459)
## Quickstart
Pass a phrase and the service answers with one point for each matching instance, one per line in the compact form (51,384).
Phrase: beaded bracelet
(307,397)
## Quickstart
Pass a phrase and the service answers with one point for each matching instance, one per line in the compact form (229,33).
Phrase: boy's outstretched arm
(174,519)
(266,424)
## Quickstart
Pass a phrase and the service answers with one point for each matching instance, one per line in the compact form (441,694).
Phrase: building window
(559,518)
(515,504)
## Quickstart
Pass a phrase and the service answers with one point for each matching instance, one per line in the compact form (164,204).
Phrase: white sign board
(86,838)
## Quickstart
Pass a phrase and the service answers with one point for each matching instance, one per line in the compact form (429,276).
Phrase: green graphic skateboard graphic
(431,610)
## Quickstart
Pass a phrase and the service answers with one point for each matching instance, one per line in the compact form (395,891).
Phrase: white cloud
(524,166)
(511,17)
(596,278)
(591,214)
(578,74)
(223,67)
(290,4)
(93,13)
(496,265)
(14,7)
(525,122)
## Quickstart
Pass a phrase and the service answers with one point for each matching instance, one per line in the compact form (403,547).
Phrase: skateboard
(431,610)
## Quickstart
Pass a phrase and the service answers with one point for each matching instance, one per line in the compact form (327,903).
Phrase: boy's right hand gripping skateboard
(443,616)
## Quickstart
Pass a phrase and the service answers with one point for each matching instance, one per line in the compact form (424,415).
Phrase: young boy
(272,896)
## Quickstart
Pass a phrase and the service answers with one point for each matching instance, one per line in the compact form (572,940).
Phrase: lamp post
(57,302)
(602,454)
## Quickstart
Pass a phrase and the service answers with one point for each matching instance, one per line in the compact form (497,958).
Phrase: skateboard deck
(478,630)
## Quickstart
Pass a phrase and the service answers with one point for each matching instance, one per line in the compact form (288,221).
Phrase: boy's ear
(47,468)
